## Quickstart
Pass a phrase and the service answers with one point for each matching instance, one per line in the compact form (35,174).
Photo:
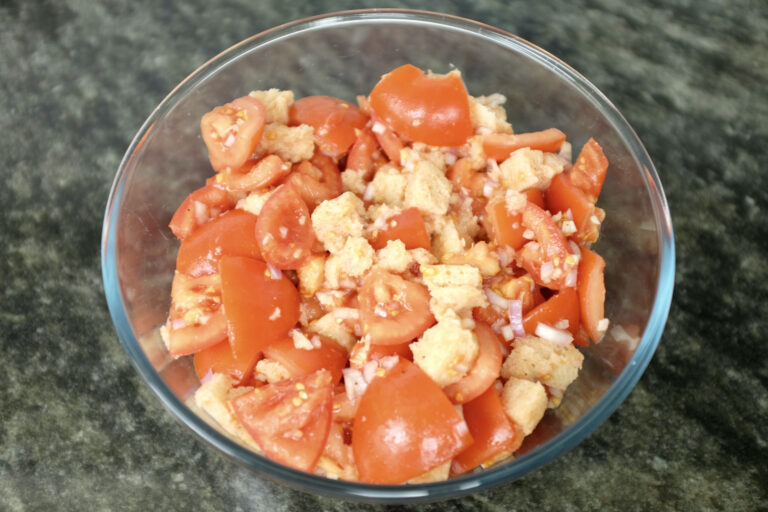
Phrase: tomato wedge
(507,228)
(499,145)
(562,196)
(588,173)
(564,305)
(592,293)
(260,310)
(407,226)
(360,156)
(429,109)
(550,249)
(193,338)
(232,131)
(219,359)
(289,419)
(405,426)
(485,370)
(333,119)
(196,318)
(316,180)
(284,229)
(465,177)
(230,234)
(388,140)
(494,433)
(393,310)
(261,174)
(198,208)
(299,361)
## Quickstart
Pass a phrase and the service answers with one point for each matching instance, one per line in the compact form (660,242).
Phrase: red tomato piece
(507,228)
(284,229)
(494,433)
(198,208)
(484,372)
(261,174)
(316,180)
(564,305)
(298,361)
(230,234)
(592,293)
(388,140)
(465,177)
(430,109)
(550,248)
(360,156)
(393,310)
(260,310)
(405,426)
(562,196)
(403,350)
(407,226)
(220,359)
(500,145)
(196,318)
(588,173)
(290,419)
(232,131)
(334,121)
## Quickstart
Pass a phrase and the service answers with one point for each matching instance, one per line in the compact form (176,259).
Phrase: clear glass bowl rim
(454,487)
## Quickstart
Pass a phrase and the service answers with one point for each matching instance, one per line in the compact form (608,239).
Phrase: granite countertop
(79,429)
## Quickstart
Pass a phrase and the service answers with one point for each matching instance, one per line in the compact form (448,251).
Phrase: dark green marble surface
(79,430)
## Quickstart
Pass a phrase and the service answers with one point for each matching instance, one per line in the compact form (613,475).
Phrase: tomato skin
(564,305)
(500,145)
(297,361)
(219,359)
(333,119)
(507,228)
(405,426)
(562,196)
(405,304)
(551,246)
(193,338)
(196,303)
(484,372)
(493,432)
(198,208)
(284,229)
(588,172)
(232,131)
(250,297)
(388,140)
(591,288)
(290,419)
(407,226)
(255,175)
(429,109)
(316,180)
(360,157)
(230,234)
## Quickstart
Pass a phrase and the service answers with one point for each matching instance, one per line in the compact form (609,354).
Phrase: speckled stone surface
(79,430)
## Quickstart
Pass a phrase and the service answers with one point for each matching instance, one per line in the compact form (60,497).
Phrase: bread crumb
(276,103)
(291,143)
(446,351)
(524,402)
(536,359)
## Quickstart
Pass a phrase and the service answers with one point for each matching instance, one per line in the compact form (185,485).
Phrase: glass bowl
(345,54)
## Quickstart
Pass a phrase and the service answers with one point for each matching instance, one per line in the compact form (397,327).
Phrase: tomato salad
(390,291)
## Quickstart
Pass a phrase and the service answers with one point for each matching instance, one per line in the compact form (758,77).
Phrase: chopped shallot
(556,336)
(274,272)
(496,299)
(354,383)
(516,317)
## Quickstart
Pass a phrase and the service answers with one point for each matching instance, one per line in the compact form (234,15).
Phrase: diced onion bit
(603,324)
(496,299)
(572,277)
(378,128)
(507,332)
(516,317)
(369,370)
(369,191)
(354,383)
(562,324)
(547,268)
(207,376)
(556,336)
(388,362)
(274,272)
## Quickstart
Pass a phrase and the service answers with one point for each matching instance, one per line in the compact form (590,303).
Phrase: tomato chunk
(592,293)
(407,226)
(360,156)
(564,305)
(494,433)
(333,119)
(198,208)
(220,359)
(485,370)
(289,419)
(261,174)
(260,310)
(284,229)
(588,173)
(232,131)
(506,227)
(430,109)
(405,426)
(196,318)
(299,361)
(393,310)
(230,234)
(499,145)
(547,258)
(316,180)
(562,196)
